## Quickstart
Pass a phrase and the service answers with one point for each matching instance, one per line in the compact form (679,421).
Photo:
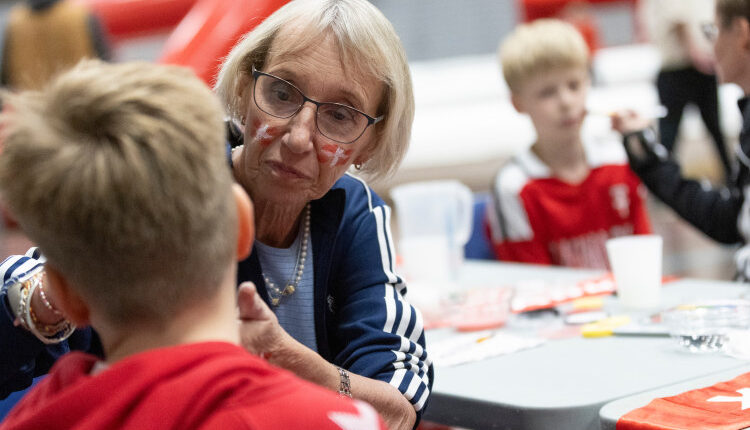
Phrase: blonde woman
(318,87)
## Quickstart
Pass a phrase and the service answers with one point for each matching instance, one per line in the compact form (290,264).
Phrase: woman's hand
(260,331)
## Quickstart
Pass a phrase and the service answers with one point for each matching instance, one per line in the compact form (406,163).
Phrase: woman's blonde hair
(539,46)
(366,41)
(119,173)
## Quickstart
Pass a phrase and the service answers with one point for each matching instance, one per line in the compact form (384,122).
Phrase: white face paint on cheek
(263,134)
(333,155)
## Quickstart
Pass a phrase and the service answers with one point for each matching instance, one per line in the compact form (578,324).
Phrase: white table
(562,384)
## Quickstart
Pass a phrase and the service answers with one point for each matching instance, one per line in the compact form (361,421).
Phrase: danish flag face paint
(263,133)
(333,155)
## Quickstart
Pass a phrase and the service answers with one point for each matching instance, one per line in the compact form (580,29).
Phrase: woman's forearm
(397,412)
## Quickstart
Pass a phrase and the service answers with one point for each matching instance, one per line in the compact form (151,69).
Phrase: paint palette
(479,309)
(534,295)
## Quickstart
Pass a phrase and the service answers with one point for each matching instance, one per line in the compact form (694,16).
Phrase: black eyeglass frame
(710,31)
(305,99)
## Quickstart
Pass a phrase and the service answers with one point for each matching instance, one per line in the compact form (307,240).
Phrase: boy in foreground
(118,172)
(559,201)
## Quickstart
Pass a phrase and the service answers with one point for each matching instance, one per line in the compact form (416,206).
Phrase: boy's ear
(67,300)
(245,222)
(744,28)
(517,104)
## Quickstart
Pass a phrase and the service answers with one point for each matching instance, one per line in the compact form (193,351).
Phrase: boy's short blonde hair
(541,45)
(119,173)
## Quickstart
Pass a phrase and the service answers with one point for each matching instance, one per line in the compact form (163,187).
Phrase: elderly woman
(319,86)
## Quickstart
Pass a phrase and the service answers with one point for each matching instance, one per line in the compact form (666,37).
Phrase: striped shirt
(295,312)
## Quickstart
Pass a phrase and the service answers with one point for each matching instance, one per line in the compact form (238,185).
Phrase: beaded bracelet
(46,302)
(25,316)
(345,388)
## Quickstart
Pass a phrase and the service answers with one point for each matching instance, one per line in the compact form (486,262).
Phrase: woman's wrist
(32,313)
(46,315)
(295,357)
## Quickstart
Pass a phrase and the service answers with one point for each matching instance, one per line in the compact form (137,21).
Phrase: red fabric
(534,9)
(571,223)
(693,409)
(211,385)
(128,19)
(210,30)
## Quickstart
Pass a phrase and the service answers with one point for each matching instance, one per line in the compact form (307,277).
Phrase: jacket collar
(327,213)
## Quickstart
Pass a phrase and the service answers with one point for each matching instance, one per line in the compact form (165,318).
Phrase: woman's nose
(302,128)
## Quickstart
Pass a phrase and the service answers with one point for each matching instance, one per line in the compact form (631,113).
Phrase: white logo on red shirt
(365,419)
(745,399)
(620,199)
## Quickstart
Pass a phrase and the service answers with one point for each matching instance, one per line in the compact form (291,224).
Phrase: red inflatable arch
(204,30)
(208,32)
(124,19)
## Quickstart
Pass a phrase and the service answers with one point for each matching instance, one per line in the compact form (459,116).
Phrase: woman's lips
(286,171)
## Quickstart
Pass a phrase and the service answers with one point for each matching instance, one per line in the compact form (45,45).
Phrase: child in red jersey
(119,173)
(559,201)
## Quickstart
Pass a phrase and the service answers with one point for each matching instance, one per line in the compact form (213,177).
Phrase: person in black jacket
(722,213)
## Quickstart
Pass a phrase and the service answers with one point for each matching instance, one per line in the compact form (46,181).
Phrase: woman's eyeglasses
(336,121)
(710,31)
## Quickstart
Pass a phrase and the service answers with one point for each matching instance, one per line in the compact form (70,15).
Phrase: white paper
(468,347)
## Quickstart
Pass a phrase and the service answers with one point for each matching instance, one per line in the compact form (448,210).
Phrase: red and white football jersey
(537,218)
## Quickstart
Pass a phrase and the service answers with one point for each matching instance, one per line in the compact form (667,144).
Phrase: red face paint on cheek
(333,155)
(263,133)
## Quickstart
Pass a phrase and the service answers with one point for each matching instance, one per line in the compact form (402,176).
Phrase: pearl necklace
(299,268)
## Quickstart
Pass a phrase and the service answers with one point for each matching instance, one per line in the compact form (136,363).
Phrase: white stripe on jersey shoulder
(604,150)
(508,185)
(367,188)
(530,164)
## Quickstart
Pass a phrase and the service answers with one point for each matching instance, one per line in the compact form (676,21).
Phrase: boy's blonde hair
(119,173)
(367,43)
(539,46)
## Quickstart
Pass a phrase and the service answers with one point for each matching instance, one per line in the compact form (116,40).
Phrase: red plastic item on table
(723,406)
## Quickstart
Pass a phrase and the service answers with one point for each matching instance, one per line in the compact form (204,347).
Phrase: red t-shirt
(211,385)
(537,218)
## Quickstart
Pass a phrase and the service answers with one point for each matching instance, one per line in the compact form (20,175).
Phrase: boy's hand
(628,121)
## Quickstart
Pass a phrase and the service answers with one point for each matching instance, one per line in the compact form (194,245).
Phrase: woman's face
(289,160)
(728,49)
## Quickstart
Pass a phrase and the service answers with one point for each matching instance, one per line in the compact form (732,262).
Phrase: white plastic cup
(636,266)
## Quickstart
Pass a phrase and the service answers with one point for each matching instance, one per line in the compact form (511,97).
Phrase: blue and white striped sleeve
(382,335)
(17,266)
(19,349)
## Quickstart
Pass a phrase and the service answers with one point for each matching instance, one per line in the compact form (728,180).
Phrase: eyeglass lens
(710,31)
(278,98)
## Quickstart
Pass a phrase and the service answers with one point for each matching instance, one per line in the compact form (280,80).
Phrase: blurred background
(465,127)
